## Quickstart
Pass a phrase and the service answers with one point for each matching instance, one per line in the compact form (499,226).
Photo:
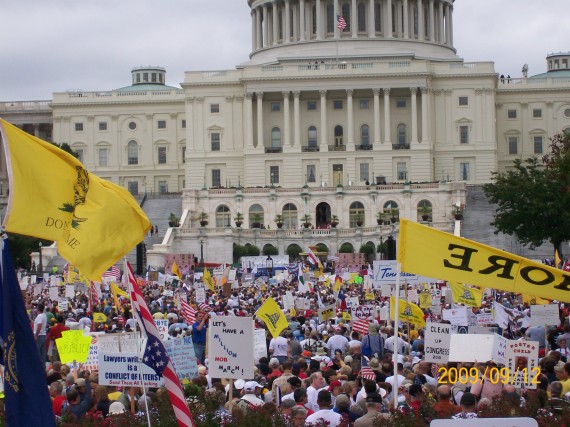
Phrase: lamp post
(269,265)
(41,267)
(201,253)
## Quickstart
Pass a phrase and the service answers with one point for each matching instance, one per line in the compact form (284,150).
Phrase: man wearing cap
(372,417)
(325,413)
(79,398)
(249,400)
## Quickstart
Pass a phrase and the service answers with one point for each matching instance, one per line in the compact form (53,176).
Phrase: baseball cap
(80,382)
(251,386)
(333,384)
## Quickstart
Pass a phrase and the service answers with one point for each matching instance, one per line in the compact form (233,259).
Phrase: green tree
(533,198)
(346,248)
(67,148)
(293,251)
(270,250)
(251,250)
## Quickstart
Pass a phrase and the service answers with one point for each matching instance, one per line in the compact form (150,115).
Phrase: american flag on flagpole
(188,312)
(93,296)
(205,307)
(366,371)
(155,355)
(112,273)
(360,326)
(340,23)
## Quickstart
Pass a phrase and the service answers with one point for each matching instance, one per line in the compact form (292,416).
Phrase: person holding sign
(199,329)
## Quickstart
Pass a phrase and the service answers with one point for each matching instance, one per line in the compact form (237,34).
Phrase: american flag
(360,326)
(340,23)
(188,312)
(155,355)
(112,273)
(365,371)
(205,307)
(93,297)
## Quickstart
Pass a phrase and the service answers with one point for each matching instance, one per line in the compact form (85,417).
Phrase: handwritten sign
(181,352)
(363,312)
(259,345)
(485,319)
(92,363)
(162,326)
(117,343)
(541,315)
(522,361)
(54,293)
(230,347)
(73,346)
(327,312)
(200,295)
(437,341)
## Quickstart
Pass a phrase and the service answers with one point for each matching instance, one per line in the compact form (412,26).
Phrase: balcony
(401,146)
(363,147)
(337,147)
(310,149)
(273,150)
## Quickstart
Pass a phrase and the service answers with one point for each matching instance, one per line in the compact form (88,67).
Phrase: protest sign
(288,301)
(73,346)
(500,349)
(117,343)
(259,345)
(481,330)
(168,293)
(457,316)
(92,363)
(300,303)
(542,315)
(247,278)
(471,348)
(352,302)
(54,293)
(124,369)
(162,326)
(62,304)
(485,319)
(424,300)
(413,296)
(437,342)
(181,352)
(200,295)
(327,312)
(153,276)
(522,362)
(230,347)
(385,290)
(227,290)
(363,312)
(385,313)
(384,272)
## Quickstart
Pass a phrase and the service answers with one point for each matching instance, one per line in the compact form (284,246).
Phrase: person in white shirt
(317,383)
(250,400)
(40,324)
(402,345)
(337,342)
(278,348)
(324,414)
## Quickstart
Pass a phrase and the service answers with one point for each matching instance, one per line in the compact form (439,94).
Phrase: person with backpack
(373,343)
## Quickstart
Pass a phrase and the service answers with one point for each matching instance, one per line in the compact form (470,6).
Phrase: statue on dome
(525,70)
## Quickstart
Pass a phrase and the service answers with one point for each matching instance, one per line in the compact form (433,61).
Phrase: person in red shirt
(56,394)
(54,334)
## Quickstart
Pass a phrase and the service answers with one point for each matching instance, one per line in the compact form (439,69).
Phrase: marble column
(302,24)
(287,29)
(275,23)
(336,14)
(371,19)
(377,138)
(450,23)
(421,30)
(260,144)
(258,29)
(432,20)
(286,120)
(425,103)
(323,131)
(319,12)
(265,26)
(249,119)
(388,29)
(253,30)
(350,118)
(387,124)
(353,19)
(406,21)
(441,25)
(296,119)
(414,91)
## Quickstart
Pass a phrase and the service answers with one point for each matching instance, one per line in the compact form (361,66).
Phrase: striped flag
(155,355)
(112,273)
(360,326)
(205,307)
(313,259)
(93,296)
(188,312)
(366,371)
(340,23)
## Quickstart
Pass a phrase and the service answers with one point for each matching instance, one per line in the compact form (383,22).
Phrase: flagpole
(396,336)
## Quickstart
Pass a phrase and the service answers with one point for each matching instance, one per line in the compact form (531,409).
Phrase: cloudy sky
(58,45)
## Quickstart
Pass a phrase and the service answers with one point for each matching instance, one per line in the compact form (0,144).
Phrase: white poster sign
(117,343)
(413,296)
(327,312)
(437,342)
(92,363)
(181,352)
(485,319)
(384,272)
(363,312)
(230,347)
(124,369)
(542,315)
(62,304)
(352,302)
(168,293)
(522,361)
(386,290)
(471,348)
(259,345)
(385,313)
(54,293)
(200,295)
(457,316)
(288,301)
(500,349)
(162,326)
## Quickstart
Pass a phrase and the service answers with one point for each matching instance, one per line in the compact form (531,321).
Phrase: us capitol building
(358,126)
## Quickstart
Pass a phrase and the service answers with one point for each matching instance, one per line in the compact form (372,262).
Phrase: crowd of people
(314,372)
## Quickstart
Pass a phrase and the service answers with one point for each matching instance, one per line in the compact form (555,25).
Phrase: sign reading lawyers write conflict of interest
(230,347)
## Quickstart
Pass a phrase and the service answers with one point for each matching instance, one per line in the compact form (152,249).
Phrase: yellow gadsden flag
(52,196)
(176,270)
(273,317)
(432,253)
(409,312)
(208,281)
(471,297)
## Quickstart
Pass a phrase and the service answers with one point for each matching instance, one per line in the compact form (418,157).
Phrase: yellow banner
(429,252)
(176,270)
(73,346)
(327,282)
(346,316)
(273,317)
(52,196)
(471,297)
(337,283)
(99,318)
(425,300)
(535,300)
(115,290)
(408,312)
(208,281)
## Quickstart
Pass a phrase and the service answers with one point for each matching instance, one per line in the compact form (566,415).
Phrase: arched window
(338,133)
(346,15)
(378,17)
(312,136)
(256,216)
(330,18)
(290,216)
(133,153)
(275,137)
(365,135)
(222,216)
(402,138)
(356,214)
(361,17)
(391,207)
(424,210)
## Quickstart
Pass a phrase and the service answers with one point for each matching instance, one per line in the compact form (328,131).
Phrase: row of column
(323,138)
(297,17)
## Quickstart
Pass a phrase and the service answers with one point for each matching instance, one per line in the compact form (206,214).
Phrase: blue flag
(27,398)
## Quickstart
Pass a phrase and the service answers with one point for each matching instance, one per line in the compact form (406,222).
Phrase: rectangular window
(274,174)
(275,107)
(400,103)
(78,127)
(183,124)
(364,172)
(161,155)
(537,144)
(513,144)
(216,178)
(464,171)
(537,113)
(311,173)
(512,114)
(103,156)
(163,187)
(463,101)
(153,77)
(102,126)
(214,108)
(215,141)
(402,172)
(133,187)
(79,152)
(161,124)
(464,134)
(364,104)
(337,104)
(311,105)
(184,154)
